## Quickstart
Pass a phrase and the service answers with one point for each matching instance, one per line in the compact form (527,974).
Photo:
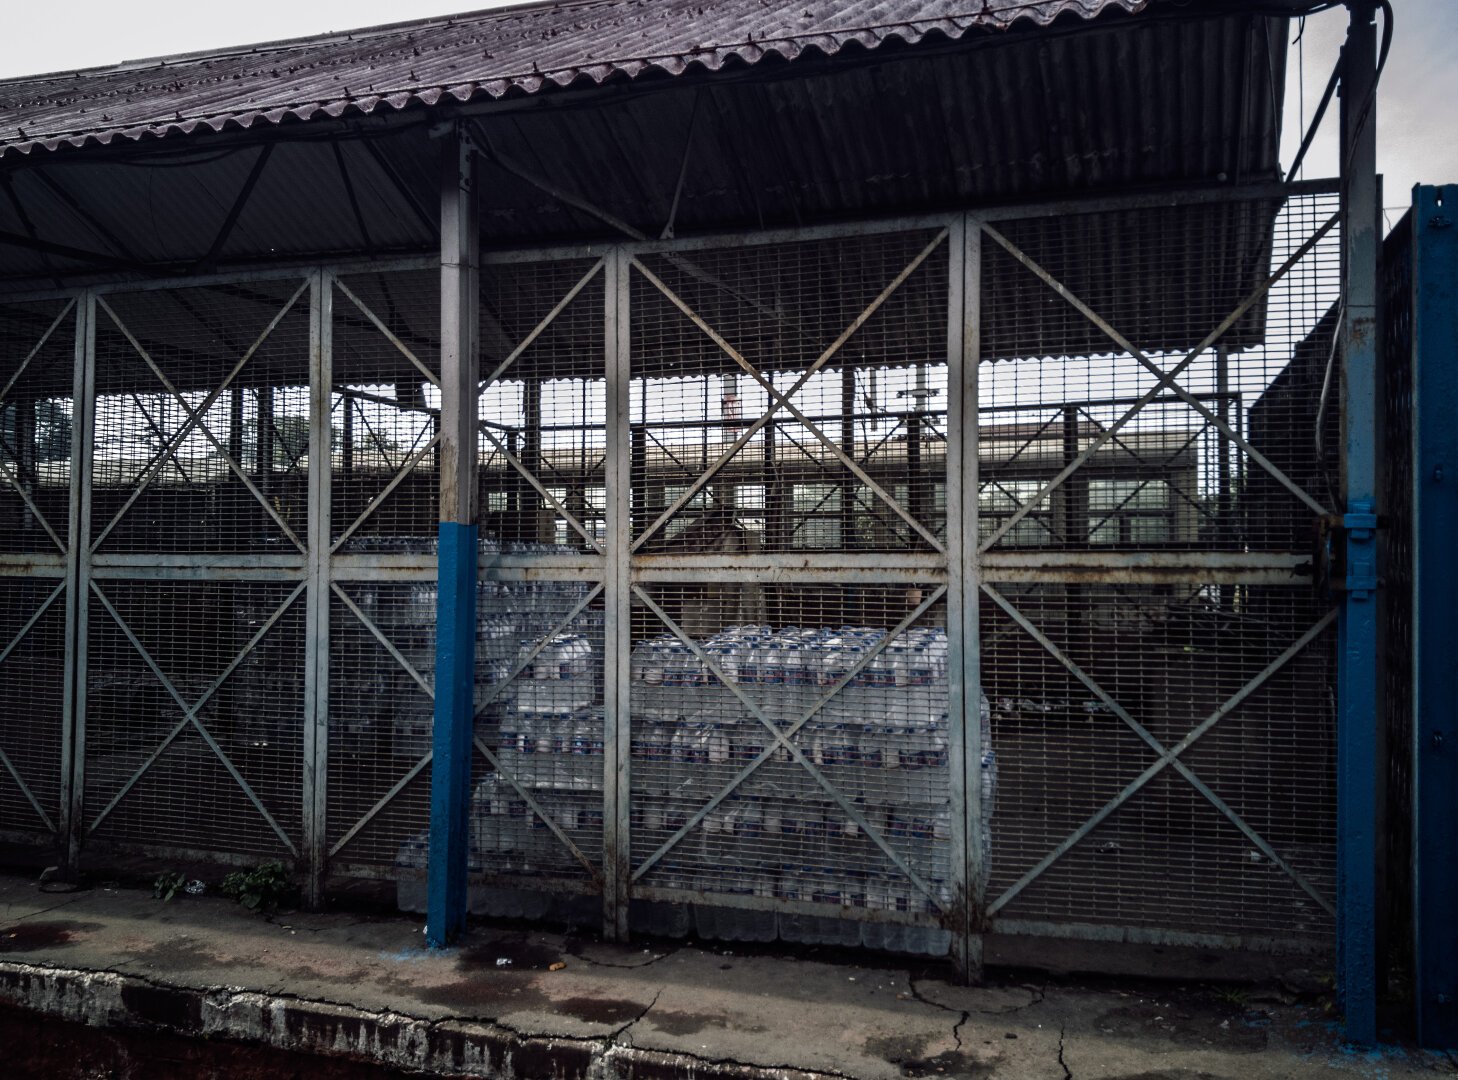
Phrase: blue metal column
(1357,623)
(1435,613)
(450,778)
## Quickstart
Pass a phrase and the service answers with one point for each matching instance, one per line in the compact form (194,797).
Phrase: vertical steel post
(316,595)
(962,895)
(964,627)
(617,733)
(1357,625)
(1435,613)
(78,562)
(450,789)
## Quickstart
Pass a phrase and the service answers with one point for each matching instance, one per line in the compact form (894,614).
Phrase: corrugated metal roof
(490,54)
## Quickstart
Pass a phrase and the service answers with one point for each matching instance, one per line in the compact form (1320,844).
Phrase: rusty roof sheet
(462,58)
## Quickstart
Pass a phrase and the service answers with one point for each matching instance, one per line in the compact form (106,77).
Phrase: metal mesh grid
(1207,468)
(791,396)
(1071,669)
(385,410)
(855,677)
(1086,441)
(37,364)
(1397,578)
(194,726)
(543,404)
(32,675)
(537,811)
(202,420)
(381,713)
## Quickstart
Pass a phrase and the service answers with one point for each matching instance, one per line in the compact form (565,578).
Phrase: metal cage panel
(194,716)
(791,396)
(889,583)
(37,550)
(201,420)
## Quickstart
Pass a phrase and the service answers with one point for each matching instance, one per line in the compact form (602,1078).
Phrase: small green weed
(1232,996)
(168,884)
(263,888)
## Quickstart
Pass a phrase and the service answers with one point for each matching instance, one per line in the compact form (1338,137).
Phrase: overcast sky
(1417,135)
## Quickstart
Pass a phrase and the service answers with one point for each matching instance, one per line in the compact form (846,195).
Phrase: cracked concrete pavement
(513,1002)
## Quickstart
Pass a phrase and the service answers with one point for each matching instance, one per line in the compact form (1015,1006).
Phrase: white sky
(1418,139)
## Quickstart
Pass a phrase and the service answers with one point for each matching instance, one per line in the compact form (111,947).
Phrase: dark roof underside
(874,108)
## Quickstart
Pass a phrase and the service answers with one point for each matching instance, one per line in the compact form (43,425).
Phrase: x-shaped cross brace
(4,655)
(1168,757)
(5,469)
(522,663)
(1165,379)
(190,713)
(780,400)
(500,370)
(195,419)
(782,739)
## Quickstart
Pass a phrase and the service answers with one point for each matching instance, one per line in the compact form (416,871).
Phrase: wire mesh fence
(542,405)
(381,706)
(384,411)
(37,424)
(791,396)
(201,420)
(1166,756)
(1167,750)
(1138,393)
(793,548)
(194,723)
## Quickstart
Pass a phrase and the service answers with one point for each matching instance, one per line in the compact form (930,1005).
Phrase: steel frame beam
(617,605)
(314,783)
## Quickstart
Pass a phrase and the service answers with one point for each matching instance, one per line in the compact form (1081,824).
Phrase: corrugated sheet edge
(710,59)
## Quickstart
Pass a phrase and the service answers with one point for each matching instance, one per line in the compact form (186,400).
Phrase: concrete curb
(450,1046)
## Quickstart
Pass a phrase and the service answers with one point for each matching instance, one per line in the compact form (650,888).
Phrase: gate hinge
(1347,551)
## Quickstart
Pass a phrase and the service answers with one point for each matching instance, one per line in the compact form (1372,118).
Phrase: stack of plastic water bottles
(868,716)
(546,727)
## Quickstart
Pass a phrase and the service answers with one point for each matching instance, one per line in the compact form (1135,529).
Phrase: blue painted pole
(455,647)
(1435,614)
(450,778)
(1357,615)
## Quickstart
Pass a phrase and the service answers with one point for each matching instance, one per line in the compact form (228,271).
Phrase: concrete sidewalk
(533,1004)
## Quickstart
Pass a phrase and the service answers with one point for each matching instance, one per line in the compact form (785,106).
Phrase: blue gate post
(450,778)
(1435,613)
(1357,621)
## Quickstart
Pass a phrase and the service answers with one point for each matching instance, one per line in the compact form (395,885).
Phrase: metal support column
(1435,614)
(964,676)
(455,655)
(78,564)
(316,677)
(1357,626)
(617,614)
